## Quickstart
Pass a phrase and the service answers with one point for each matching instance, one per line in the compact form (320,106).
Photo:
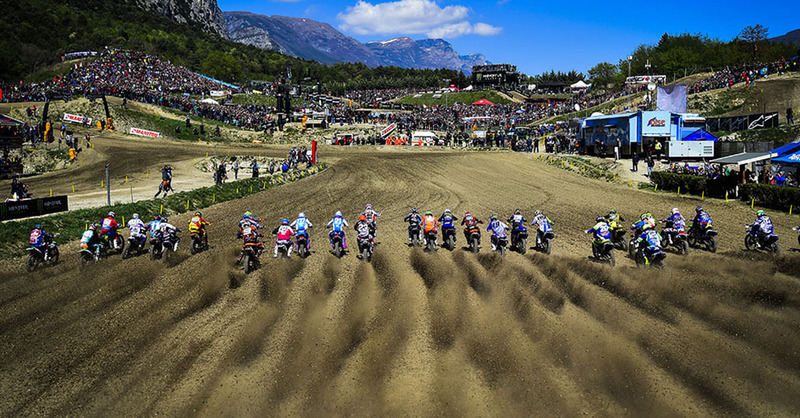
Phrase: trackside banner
(77,119)
(389,129)
(143,132)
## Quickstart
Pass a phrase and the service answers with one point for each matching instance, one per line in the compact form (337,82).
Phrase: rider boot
(275,255)
(289,252)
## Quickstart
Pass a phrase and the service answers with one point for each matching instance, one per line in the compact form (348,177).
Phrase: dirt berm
(412,333)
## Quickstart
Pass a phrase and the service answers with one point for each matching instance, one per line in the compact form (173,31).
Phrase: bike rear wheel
(31,263)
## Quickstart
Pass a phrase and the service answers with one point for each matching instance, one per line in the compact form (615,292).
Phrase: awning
(743,158)
(788,159)
(790,147)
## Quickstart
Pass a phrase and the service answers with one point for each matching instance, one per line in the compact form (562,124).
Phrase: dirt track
(412,333)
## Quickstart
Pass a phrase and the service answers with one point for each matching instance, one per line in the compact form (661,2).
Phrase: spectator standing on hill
(650,164)
(271,167)
(236,170)
(790,116)
(635,161)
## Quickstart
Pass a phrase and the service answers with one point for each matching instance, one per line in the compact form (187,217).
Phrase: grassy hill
(450,98)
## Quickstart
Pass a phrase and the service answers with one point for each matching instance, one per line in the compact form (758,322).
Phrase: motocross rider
(41,240)
(676,224)
(108,229)
(498,229)
(197,225)
(364,229)
(372,218)
(285,234)
(301,225)
(645,219)
(337,226)
(543,225)
(429,224)
(153,226)
(614,221)
(413,219)
(446,221)
(517,222)
(602,235)
(650,237)
(701,221)
(138,229)
(470,224)
(249,233)
(762,226)
(90,238)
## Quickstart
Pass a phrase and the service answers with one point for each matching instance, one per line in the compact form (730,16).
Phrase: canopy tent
(700,135)
(483,102)
(743,158)
(788,148)
(468,88)
(579,85)
(788,158)
(209,101)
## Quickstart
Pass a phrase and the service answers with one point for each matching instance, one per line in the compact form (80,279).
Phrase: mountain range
(319,41)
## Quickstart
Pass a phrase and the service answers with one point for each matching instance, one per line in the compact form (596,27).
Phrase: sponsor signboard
(216,93)
(742,123)
(646,79)
(33,207)
(77,119)
(389,129)
(656,123)
(144,132)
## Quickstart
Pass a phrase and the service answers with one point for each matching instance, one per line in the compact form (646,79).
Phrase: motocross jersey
(137,228)
(337,224)
(109,225)
(447,220)
(601,232)
(470,223)
(362,227)
(89,237)
(517,222)
(429,223)
(301,225)
(38,238)
(764,225)
(153,227)
(678,222)
(197,224)
(371,215)
(543,223)
(249,233)
(497,228)
(652,238)
(703,220)
(284,233)
(413,218)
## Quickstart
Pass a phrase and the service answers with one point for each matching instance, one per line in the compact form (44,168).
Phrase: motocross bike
(519,240)
(545,243)
(249,256)
(680,239)
(604,252)
(365,247)
(430,240)
(135,244)
(705,236)
(301,241)
(647,258)
(755,241)
(94,254)
(449,237)
(198,243)
(500,245)
(414,232)
(474,240)
(36,256)
(114,244)
(337,244)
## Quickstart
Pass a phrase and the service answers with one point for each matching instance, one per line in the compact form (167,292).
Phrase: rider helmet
(698,209)
(362,218)
(646,215)
(92,227)
(112,214)
(760,213)
(156,217)
(467,213)
(675,211)
(369,206)
(135,216)
(248,214)
(599,219)
(413,210)
(285,222)
(427,212)
(37,226)
(447,211)
(338,214)
(198,213)
(301,215)
(494,217)
(518,212)
(612,212)
(537,212)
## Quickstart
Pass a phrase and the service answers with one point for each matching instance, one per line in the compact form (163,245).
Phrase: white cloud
(411,17)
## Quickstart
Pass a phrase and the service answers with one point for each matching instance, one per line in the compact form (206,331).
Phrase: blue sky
(536,36)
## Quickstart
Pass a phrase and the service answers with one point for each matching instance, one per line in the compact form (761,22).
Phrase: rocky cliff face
(204,14)
(309,39)
(304,38)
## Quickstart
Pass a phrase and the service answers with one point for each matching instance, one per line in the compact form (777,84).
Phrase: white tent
(468,88)
(579,85)
(209,101)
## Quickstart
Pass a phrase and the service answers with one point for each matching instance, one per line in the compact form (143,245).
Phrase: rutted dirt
(412,333)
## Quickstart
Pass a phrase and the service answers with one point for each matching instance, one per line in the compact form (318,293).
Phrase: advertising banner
(742,123)
(389,129)
(656,123)
(144,132)
(216,93)
(646,79)
(83,120)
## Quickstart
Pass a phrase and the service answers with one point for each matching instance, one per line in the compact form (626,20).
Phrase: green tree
(222,66)
(603,74)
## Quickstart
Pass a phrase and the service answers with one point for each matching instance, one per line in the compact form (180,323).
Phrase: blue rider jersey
(153,227)
(678,221)
(518,222)
(652,238)
(601,231)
